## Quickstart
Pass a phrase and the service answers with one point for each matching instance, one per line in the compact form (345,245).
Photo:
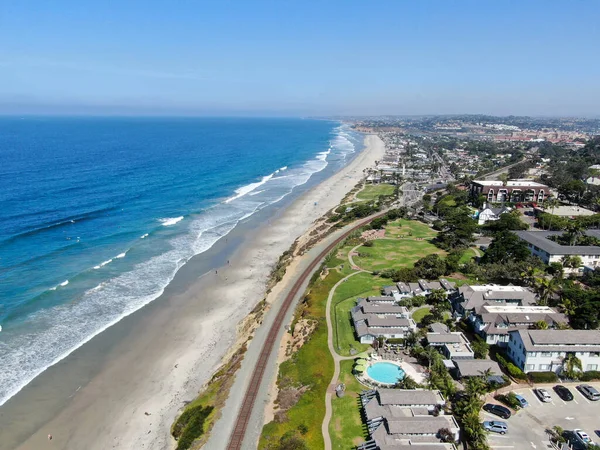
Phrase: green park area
(373,191)
(405,242)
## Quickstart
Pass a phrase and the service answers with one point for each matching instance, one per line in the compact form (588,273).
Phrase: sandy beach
(157,359)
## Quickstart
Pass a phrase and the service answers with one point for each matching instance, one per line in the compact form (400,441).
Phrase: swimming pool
(385,372)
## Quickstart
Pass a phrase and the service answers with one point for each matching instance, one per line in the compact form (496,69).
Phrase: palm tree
(540,325)
(567,306)
(571,365)
(545,288)
(504,178)
(574,231)
(552,203)
(570,261)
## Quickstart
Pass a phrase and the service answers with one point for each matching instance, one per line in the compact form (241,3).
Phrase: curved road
(250,397)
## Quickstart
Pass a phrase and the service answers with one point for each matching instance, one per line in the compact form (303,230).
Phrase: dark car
(498,410)
(563,392)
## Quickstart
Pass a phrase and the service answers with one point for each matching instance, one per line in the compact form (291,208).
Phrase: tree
(437,297)
(445,435)
(574,232)
(507,221)
(545,288)
(430,267)
(505,246)
(407,383)
(571,365)
(552,203)
(540,325)
(571,261)
(504,178)
(572,190)
(458,230)
(480,348)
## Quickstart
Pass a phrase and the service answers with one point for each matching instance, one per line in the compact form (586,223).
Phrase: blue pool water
(384,372)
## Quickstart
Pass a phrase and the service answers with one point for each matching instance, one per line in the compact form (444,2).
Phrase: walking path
(336,362)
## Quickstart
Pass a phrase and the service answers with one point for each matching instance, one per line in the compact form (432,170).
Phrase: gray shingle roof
(418,425)
(408,397)
(540,240)
(374,321)
(475,367)
(560,340)
(443,338)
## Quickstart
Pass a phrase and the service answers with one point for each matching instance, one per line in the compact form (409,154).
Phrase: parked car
(563,392)
(498,410)
(589,391)
(582,437)
(543,395)
(496,426)
(522,401)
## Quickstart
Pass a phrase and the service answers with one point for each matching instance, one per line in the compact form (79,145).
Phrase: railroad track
(239,431)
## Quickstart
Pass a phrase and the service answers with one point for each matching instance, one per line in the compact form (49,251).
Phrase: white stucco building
(545,350)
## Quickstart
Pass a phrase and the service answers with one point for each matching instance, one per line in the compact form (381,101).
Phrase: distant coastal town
(466,294)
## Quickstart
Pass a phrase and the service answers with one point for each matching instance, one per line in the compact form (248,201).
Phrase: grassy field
(393,254)
(420,313)
(310,367)
(344,299)
(373,191)
(468,255)
(346,428)
(414,228)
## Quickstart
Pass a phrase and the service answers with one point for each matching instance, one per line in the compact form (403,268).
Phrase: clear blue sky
(300,57)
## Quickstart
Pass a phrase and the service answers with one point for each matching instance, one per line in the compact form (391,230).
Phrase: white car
(582,437)
(543,394)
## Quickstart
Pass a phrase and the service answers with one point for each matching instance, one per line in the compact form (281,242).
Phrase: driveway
(526,428)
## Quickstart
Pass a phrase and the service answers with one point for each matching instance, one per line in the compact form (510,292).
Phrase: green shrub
(590,375)
(509,400)
(190,426)
(512,370)
(395,341)
(542,377)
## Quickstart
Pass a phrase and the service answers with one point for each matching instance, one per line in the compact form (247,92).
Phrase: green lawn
(418,315)
(344,299)
(414,228)
(312,367)
(467,256)
(346,428)
(373,191)
(393,254)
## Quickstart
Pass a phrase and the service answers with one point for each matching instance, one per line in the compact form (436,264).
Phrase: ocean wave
(240,192)
(281,169)
(168,221)
(144,236)
(255,193)
(121,255)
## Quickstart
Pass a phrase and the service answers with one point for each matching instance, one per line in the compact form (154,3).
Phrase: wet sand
(123,388)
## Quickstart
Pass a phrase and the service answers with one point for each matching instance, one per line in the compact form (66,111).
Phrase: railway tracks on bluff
(243,418)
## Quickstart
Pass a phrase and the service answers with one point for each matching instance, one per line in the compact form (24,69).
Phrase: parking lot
(527,427)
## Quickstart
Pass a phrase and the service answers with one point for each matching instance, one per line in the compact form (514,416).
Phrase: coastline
(161,356)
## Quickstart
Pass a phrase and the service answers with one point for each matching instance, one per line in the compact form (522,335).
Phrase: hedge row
(590,375)
(542,377)
(512,370)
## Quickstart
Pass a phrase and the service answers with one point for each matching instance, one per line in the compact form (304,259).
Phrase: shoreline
(162,355)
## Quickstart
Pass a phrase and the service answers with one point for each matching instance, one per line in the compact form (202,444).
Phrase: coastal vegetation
(374,191)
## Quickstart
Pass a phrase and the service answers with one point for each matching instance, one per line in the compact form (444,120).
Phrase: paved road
(243,414)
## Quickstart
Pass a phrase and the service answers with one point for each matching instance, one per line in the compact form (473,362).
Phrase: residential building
(512,191)
(545,350)
(398,418)
(404,290)
(489,214)
(471,298)
(476,368)
(454,345)
(549,251)
(373,319)
(565,211)
(493,322)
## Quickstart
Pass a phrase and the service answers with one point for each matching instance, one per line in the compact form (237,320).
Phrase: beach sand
(141,371)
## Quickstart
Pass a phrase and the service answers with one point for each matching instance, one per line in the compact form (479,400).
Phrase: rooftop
(540,240)
(560,340)
(476,367)
(511,183)
(507,309)
(409,397)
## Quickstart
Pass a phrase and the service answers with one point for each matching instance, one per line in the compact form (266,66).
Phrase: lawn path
(351,260)
(336,362)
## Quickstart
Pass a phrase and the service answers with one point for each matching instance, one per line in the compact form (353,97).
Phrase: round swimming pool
(385,372)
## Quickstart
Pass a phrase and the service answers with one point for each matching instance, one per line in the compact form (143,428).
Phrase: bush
(512,370)
(368,244)
(590,375)
(542,377)
(395,341)
(190,426)
(509,400)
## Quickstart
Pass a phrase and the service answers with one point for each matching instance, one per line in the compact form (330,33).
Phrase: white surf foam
(168,221)
(240,192)
(144,236)
(61,329)
(121,255)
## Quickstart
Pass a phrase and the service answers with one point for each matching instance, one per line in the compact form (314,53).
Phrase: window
(544,366)
(530,367)
(591,367)
(546,354)
(594,354)
(533,354)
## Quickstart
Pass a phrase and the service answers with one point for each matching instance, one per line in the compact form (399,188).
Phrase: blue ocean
(98,214)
